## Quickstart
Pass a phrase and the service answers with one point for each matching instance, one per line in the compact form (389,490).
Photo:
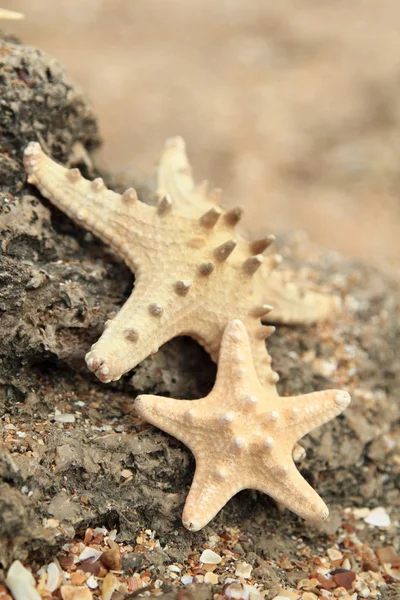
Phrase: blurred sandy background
(292,106)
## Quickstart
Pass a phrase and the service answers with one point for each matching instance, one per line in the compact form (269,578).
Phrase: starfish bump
(242,435)
(194,272)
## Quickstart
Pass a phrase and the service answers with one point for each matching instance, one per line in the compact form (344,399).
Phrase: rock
(39,102)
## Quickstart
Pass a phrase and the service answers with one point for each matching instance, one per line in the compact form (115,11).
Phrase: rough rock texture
(59,285)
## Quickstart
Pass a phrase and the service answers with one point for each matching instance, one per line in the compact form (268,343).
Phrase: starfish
(242,435)
(194,272)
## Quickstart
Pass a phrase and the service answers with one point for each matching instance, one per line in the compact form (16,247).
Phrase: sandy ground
(292,107)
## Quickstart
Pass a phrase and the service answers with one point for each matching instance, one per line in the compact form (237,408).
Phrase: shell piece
(252,440)
(192,243)
(21,582)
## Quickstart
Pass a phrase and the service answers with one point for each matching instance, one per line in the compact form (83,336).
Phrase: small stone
(211,578)
(112,558)
(187,579)
(346,564)
(88,553)
(4,595)
(174,568)
(92,583)
(110,584)
(53,577)
(309,596)
(209,557)
(234,591)
(307,584)
(361,513)
(126,473)
(325,583)
(21,582)
(78,578)
(50,523)
(344,578)
(72,592)
(243,569)
(323,367)
(63,417)
(93,567)
(66,562)
(388,555)
(334,554)
(378,517)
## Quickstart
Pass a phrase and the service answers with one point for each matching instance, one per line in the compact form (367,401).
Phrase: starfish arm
(118,220)
(172,416)
(294,305)
(308,411)
(147,320)
(262,360)
(212,487)
(236,364)
(286,485)
(241,362)
(174,177)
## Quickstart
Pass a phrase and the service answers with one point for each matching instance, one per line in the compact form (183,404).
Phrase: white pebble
(378,517)
(89,552)
(21,582)
(174,568)
(209,557)
(63,417)
(92,583)
(53,577)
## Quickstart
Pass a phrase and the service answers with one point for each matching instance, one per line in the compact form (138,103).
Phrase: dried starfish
(292,303)
(194,273)
(242,435)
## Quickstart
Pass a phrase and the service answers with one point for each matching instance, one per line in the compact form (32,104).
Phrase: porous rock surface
(57,287)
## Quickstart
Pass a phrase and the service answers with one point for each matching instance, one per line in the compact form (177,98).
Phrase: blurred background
(292,107)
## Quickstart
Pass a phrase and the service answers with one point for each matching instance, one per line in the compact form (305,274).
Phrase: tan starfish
(194,272)
(242,435)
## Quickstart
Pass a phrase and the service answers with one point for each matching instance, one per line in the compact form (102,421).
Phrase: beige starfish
(242,435)
(194,272)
